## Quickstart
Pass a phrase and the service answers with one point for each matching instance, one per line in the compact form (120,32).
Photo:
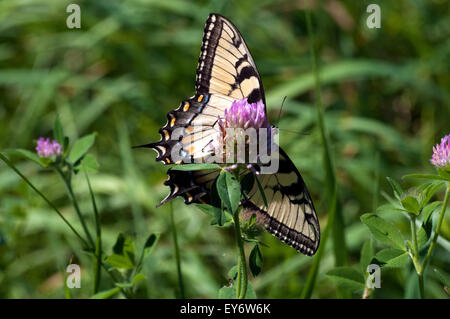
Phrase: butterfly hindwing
(193,186)
(290,215)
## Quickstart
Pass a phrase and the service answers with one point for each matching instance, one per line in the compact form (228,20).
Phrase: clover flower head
(242,114)
(240,117)
(47,148)
(441,153)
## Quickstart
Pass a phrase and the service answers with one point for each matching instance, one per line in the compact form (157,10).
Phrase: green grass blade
(313,271)
(98,239)
(177,254)
(340,250)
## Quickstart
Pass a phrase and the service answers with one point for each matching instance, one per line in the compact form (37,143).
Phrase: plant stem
(115,279)
(242,279)
(367,293)
(177,254)
(415,254)
(83,241)
(98,239)
(339,245)
(11,165)
(75,205)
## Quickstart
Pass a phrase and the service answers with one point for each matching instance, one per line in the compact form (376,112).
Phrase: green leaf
(444,173)
(383,231)
(65,146)
(429,209)
(88,163)
(123,257)
(229,191)
(412,286)
(214,196)
(106,294)
(118,246)
(219,217)
(410,204)
(149,244)
(367,253)
(425,230)
(227,293)
(348,278)
(81,147)
(247,183)
(398,192)
(26,154)
(255,261)
(45,161)
(254,241)
(423,234)
(58,132)
(120,261)
(444,278)
(251,220)
(428,192)
(389,208)
(138,278)
(230,292)
(392,258)
(233,272)
(428,176)
(194,167)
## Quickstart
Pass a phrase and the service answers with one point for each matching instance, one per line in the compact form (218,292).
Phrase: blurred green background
(385,93)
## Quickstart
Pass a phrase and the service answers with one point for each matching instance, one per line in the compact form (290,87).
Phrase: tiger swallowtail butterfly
(227,73)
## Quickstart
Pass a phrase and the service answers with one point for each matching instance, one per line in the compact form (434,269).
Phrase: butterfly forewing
(225,65)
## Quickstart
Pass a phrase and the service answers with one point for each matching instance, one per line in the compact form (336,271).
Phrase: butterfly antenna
(294,132)
(281,109)
(278,121)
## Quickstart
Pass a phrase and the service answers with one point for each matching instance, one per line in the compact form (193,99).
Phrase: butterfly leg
(250,166)
(231,167)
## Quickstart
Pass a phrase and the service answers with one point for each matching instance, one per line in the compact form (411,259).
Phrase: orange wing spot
(168,160)
(172,122)
(188,139)
(189,129)
(189,196)
(200,98)
(191,149)
(186,107)
(166,135)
